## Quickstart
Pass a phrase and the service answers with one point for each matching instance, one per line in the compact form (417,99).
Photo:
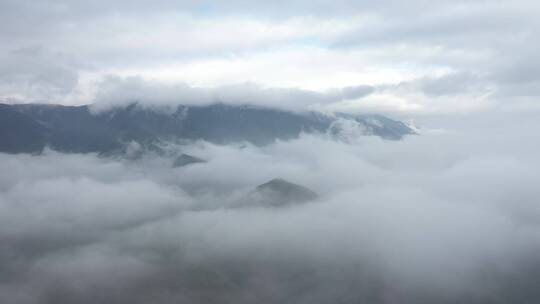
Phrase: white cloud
(428,216)
(115,91)
(310,46)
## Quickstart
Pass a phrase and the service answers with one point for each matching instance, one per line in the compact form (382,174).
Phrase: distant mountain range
(29,128)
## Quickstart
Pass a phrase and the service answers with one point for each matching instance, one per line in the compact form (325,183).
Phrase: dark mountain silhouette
(20,132)
(279,192)
(31,127)
(276,193)
(186,159)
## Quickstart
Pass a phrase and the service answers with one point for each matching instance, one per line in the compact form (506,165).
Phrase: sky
(411,58)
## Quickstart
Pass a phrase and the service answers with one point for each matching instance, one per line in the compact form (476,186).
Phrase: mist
(450,215)
(379,152)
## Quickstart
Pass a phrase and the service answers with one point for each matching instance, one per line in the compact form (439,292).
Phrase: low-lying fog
(450,216)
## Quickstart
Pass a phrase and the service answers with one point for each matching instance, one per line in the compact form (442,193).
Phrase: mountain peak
(278,192)
(186,159)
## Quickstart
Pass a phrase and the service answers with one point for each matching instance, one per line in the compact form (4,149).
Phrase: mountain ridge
(79,129)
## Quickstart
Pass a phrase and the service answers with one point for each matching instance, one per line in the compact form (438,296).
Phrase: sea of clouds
(451,215)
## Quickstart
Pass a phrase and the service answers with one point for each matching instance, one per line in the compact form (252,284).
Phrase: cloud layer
(444,217)
(115,91)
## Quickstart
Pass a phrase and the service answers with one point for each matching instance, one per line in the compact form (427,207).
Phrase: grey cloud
(457,83)
(116,91)
(37,72)
(426,219)
(482,37)
(451,84)
(479,37)
(437,26)
(356,92)
(518,68)
(259,8)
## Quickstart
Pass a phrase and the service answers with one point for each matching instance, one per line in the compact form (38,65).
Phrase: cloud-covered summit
(117,92)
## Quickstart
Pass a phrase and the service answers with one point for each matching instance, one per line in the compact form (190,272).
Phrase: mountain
(278,192)
(185,160)
(31,127)
(20,132)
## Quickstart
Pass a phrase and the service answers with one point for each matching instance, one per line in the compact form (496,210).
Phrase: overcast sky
(409,57)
